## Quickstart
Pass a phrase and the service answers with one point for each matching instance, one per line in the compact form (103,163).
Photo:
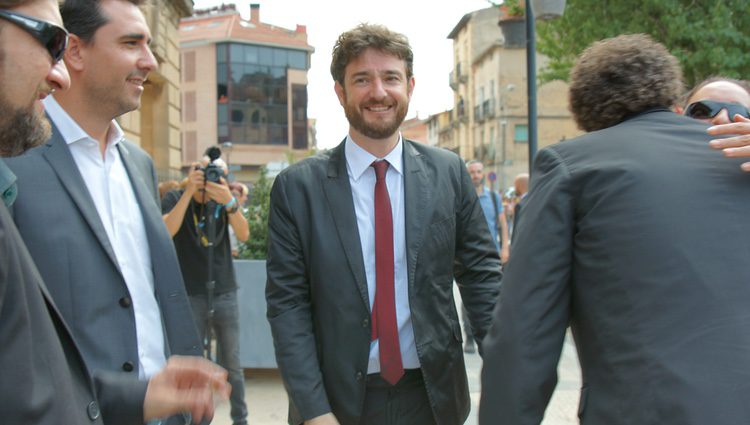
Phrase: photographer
(206,196)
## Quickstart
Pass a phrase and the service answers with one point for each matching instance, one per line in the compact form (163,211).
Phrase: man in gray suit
(87,206)
(364,243)
(44,378)
(635,235)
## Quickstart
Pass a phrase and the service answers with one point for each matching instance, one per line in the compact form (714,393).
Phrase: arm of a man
(289,309)
(239,223)
(523,346)
(477,265)
(505,240)
(174,212)
(185,384)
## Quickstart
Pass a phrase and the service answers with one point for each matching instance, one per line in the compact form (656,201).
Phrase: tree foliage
(709,37)
(255,248)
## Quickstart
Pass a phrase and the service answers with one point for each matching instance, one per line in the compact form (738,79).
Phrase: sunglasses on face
(52,37)
(706,109)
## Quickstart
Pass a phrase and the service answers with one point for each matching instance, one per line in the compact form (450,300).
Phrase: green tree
(709,37)
(255,248)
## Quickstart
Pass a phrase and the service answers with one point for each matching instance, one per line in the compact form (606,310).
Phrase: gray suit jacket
(57,219)
(636,236)
(318,305)
(45,381)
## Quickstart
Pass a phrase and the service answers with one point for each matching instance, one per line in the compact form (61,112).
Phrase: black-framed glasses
(52,37)
(706,109)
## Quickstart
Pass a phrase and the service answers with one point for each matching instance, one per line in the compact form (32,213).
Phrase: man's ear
(678,109)
(340,92)
(410,89)
(74,53)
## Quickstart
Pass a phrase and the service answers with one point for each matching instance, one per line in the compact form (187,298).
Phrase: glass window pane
(236,53)
(221,73)
(222,112)
(297,59)
(521,133)
(251,54)
(265,56)
(279,57)
(221,53)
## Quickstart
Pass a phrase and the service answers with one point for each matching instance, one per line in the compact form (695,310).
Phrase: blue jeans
(226,330)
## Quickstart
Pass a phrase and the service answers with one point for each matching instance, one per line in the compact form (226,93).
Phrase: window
(521,133)
(253,95)
(188,61)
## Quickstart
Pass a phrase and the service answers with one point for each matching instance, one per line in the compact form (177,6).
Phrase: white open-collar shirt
(109,186)
(362,181)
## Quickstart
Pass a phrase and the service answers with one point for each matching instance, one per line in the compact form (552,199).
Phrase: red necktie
(384,326)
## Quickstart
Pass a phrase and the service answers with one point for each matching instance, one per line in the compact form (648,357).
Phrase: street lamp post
(227,148)
(531,81)
(553,10)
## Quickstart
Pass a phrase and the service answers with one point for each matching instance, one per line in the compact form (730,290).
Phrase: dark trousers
(226,330)
(405,403)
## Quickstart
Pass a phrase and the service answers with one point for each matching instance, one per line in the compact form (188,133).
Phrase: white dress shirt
(362,180)
(109,186)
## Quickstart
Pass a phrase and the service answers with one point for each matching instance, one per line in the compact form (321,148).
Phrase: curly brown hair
(622,76)
(355,41)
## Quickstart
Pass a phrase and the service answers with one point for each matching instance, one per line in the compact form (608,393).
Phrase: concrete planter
(256,343)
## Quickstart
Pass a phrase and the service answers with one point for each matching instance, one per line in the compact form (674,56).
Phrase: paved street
(268,403)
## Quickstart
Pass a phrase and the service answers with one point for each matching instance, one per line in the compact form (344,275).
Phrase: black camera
(212,172)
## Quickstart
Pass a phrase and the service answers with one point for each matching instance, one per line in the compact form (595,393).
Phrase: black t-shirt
(190,243)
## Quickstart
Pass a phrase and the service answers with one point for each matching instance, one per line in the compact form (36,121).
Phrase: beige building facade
(245,89)
(155,126)
(490,119)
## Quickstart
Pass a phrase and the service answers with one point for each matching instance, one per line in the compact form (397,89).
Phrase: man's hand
(219,192)
(195,179)
(327,419)
(737,146)
(504,254)
(186,384)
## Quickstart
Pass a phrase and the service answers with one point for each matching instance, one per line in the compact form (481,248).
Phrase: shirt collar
(8,188)
(69,129)
(359,160)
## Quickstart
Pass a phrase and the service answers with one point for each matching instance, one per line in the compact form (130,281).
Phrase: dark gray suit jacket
(318,305)
(636,236)
(57,219)
(45,381)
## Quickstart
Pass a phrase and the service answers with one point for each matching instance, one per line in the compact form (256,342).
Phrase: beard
(21,129)
(376,130)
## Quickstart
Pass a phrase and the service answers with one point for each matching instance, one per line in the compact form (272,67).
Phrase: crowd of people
(111,287)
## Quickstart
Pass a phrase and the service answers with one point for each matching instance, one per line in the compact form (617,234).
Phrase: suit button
(366,322)
(93,411)
(125,302)
(127,366)
(359,376)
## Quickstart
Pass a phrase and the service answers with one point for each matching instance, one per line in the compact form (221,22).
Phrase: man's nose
(58,77)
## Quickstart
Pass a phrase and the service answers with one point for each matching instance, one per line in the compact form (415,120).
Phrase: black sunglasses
(52,37)
(706,109)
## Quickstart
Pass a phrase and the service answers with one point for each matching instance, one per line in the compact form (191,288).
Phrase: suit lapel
(417,188)
(61,160)
(339,196)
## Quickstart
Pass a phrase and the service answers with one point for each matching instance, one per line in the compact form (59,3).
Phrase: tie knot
(380,168)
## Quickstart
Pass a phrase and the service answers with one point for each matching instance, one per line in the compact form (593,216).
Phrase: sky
(426,23)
